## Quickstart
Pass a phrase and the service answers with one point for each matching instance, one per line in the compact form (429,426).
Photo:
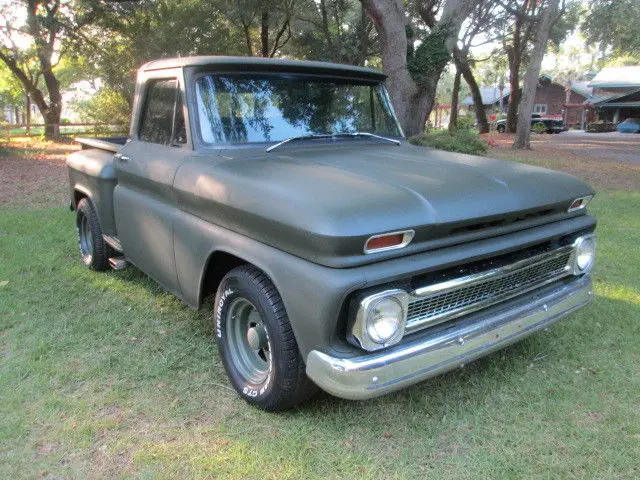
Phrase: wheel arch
(220,262)
(80,192)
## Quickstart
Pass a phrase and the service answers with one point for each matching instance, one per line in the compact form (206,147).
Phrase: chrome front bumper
(375,374)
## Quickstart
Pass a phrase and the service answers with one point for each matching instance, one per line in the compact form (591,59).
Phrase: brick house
(550,100)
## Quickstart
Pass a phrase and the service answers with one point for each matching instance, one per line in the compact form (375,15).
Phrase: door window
(163,118)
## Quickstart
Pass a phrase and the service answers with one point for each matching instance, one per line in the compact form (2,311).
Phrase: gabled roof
(615,77)
(581,87)
(490,96)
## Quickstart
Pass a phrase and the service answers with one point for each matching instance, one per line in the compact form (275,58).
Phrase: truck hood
(323,202)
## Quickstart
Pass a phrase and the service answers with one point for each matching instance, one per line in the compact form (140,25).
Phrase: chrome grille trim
(436,303)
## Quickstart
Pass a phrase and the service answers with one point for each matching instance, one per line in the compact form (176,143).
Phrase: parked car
(539,124)
(339,255)
(630,125)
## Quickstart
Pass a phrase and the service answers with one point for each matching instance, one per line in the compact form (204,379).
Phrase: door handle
(121,157)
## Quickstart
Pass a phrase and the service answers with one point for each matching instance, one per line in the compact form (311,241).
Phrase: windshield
(236,109)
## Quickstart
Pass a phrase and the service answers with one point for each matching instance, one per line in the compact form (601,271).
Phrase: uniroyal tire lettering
(226,294)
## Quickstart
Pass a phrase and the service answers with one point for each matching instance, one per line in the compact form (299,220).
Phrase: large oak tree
(413,73)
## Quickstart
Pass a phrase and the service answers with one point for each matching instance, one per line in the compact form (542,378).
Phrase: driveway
(614,146)
(605,160)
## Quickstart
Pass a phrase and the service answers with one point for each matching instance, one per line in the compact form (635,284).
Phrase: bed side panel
(91,172)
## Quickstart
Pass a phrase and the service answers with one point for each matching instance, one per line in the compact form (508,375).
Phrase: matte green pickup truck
(340,256)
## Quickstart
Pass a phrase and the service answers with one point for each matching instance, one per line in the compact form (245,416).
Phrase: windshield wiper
(332,135)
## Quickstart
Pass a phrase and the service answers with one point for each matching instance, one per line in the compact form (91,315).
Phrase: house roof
(617,77)
(581,87)
(611,99)
(490,95)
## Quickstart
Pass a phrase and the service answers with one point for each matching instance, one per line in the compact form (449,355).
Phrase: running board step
(113,242)
(118,263)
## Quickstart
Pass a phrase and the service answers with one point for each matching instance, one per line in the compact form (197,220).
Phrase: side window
(162,114)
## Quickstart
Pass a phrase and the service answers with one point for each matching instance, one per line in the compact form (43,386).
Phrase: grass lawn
(104,375)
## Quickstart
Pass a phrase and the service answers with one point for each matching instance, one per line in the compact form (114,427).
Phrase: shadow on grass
(571,341)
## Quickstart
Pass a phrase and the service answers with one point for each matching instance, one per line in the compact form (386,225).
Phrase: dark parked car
(630,125)
(338,255)
(538,124)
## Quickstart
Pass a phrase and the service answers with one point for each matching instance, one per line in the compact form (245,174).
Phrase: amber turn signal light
(579,203)
(388,241)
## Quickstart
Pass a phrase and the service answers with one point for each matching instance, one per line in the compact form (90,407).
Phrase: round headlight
(385,319)
(585,254)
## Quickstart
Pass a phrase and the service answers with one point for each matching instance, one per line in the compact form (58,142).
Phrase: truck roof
(264,64)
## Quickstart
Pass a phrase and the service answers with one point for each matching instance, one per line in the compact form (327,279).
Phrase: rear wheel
(500,128)
(256,342)
(93,249)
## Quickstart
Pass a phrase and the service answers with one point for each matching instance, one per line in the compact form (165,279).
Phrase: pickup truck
(337,254)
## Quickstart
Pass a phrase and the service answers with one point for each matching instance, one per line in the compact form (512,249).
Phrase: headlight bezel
(581,245)
(359,329)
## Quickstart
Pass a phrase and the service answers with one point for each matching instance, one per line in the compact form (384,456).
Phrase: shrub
(600,127)
(539,127)
(107,107)
(465,123)
(461,141)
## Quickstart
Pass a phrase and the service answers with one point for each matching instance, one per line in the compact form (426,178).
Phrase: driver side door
(144,202)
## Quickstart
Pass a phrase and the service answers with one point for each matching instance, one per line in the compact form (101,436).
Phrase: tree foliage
(47,45)
(614,24)
(34,37)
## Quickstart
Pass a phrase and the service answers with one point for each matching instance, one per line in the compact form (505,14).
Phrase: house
(550,100)
(491,97)
(616,93)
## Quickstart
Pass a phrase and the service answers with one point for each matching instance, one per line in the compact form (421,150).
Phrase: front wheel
(500,128)
(256,343)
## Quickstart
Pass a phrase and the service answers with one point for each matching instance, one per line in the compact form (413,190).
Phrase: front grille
(436,303)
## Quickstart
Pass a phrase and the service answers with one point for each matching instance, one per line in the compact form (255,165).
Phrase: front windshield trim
(354,80)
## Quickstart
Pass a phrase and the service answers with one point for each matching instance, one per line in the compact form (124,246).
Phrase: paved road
(614,146)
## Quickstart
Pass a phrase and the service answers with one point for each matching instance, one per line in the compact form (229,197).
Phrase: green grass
(103,375)
(64,130)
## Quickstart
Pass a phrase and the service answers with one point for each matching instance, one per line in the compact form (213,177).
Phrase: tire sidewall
(84,210)
(231,288)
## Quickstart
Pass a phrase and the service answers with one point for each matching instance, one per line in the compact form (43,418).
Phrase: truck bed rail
(110,144)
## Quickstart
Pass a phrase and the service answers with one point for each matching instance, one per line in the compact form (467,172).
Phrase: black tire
(264,366)
(93,250)
(500,128)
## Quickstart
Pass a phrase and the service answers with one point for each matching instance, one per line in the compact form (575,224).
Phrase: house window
(540,108)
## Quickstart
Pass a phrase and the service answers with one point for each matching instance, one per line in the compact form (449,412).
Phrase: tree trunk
(27,112)
(412,102)
(514,96)
(481,113)
(523,132)
(409,100)
(453,118)
(52,125)
(514,58)
(463,66)
(264,33)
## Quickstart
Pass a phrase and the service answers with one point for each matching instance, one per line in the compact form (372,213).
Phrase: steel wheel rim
(248,341)
(84,233)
